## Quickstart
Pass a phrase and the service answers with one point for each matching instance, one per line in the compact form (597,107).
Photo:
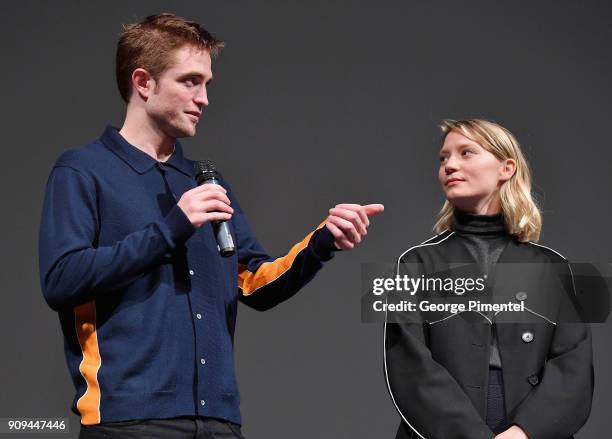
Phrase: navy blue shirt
(146,304)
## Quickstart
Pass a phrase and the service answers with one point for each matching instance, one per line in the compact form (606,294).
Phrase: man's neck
(147,137)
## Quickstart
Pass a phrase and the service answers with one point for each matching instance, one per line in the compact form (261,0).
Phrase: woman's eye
(442,158)
(467,152)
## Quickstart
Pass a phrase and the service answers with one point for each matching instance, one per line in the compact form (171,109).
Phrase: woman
(475,374)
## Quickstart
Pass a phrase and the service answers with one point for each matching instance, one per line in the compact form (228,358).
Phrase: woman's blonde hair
(521,214)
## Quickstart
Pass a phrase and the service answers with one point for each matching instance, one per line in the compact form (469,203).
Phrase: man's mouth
(194,115)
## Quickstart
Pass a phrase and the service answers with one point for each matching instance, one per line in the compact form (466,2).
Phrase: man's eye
(190,82)
(442,158)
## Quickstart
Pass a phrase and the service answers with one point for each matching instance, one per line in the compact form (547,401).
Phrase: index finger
(357,208)
(373,209)
(208,187)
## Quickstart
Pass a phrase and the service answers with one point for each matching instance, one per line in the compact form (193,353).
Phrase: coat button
(521,295)
(527,337)
(533,380)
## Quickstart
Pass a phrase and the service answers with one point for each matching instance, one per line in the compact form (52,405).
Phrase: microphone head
(205,170)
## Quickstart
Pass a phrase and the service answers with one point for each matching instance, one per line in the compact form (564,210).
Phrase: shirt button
(527,337)
(202,360)
(191,272)
(199,316)
(521,295)
(202,402)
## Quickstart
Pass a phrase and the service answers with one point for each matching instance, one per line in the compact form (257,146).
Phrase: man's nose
(202,98)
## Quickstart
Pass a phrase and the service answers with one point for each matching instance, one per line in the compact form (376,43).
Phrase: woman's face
(471,176)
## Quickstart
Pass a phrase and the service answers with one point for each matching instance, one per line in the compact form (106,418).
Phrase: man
(129,260)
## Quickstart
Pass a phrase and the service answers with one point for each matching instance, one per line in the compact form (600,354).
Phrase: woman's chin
(465,203)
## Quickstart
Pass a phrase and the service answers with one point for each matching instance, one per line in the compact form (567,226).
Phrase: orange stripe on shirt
(88,405)
(268,272)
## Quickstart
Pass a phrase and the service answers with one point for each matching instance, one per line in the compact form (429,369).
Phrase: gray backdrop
(314,103)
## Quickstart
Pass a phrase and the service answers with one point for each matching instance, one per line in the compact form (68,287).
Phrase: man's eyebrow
(196,74)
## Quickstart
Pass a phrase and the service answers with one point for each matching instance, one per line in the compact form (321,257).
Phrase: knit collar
(140,161)
(470,223)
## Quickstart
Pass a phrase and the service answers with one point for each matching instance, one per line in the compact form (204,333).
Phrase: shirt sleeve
(73,268)
(265,281)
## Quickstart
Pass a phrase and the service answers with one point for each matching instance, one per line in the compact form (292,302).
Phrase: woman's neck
(485,206)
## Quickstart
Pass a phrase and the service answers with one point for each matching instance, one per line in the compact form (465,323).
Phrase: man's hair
(150,45)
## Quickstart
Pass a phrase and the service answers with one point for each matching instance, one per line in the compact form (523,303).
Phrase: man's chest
(128,202)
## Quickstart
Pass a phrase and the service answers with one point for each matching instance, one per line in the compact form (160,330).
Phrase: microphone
(205,173)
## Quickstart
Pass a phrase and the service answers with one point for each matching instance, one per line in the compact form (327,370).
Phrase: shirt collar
(140,161)
(470,223)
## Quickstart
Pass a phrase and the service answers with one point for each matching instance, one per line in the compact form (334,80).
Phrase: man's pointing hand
(349,223)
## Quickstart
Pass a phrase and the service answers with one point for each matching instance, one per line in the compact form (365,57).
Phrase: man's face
(179,95)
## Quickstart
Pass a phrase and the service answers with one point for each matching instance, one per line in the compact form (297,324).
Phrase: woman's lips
(453,182)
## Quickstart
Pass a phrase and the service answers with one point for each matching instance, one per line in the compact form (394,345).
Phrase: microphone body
(206,173)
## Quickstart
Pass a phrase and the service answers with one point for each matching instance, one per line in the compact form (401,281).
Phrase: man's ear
(142,83)
(507,170)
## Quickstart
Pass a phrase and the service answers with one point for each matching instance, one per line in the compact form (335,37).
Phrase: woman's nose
(451,165)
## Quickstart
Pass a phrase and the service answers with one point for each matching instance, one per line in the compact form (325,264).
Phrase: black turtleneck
(485,237)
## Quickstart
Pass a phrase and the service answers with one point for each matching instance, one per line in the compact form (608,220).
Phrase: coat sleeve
(427,397)
(560,404)
(265,281)
(73,268)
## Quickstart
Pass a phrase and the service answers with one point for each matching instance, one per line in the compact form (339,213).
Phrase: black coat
(437,368)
